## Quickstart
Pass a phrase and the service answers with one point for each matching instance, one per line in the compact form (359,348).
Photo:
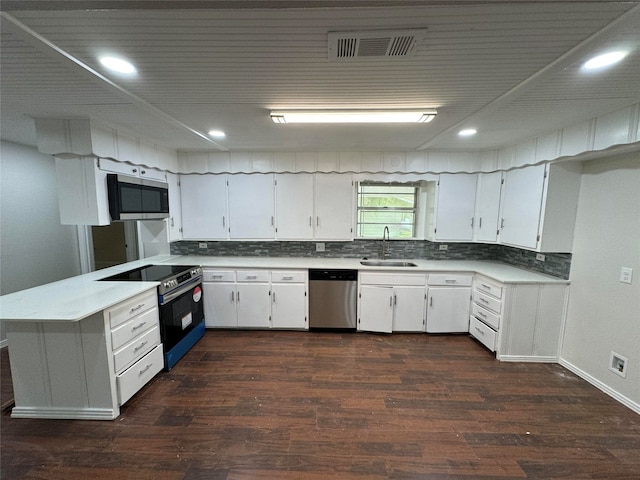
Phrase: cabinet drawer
(136,348)
(392,279)
(134,327)
(486,316)
(218,276)
(487,286)
(450,280)
(253,276)
(487,301)
(282,276)
(138,374)
(130,308)
(485,334)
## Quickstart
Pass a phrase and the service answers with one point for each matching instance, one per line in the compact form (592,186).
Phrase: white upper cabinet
(456,196)
(521,206)
(174,222)
(539,207)
(294,206)
(82,192)
(204,207)
(251,206)
(124,168)
(333,215)
(487,215)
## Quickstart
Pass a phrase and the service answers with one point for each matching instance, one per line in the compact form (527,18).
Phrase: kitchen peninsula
(60,335)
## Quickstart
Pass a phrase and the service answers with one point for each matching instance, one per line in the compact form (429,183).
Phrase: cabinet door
(253,305)
(487,214)
(294,206)
(521,206)
(334,196)
(376,308)
(251,209)
(455,207)
(448,309)
(288,305)
(174,222)
(219,304)
(204,207)
(408,309)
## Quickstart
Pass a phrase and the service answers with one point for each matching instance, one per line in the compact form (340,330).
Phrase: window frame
(415,209)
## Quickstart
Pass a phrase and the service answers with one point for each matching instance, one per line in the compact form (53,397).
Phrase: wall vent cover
(374,44)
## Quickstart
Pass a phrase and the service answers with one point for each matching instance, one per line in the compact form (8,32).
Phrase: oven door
(180,312)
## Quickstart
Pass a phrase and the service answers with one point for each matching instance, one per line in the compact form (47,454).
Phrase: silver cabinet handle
(273,297)
(391,301)
(483,300)
(136,327)
(480,223)
(138,307)
(482,314)
(251,277)
(395,299)
(140,346)
(232,297)
(272,220)
(471,222)
(238,296)
(431,301)
(147,367)
(287,278)
(501,223)
(479,331)
(486,286)
(310,221)
(450,281)
(224,222)
(317,221)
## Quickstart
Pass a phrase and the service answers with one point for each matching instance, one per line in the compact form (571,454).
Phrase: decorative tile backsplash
(556,264)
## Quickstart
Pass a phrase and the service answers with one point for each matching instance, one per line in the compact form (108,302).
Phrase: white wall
(34,248)
(604,314)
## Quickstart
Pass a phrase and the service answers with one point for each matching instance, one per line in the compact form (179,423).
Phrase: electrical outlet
(202,245)
(618,364)
(319,247)
(626,275)
(540,257)
(443,247)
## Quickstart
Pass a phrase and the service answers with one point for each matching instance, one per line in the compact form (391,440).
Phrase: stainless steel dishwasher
(333,299)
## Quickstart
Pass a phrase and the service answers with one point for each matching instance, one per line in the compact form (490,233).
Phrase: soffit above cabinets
(508,68)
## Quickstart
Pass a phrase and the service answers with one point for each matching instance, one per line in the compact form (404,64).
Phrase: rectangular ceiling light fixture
(353,116)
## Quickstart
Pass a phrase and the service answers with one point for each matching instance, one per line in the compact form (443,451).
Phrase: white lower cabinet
(448,303)
(519,321)
(289,301)
(88,368)
(255,299)
(391,302)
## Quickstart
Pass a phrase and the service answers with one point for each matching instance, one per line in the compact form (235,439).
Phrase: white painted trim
(65,413)
(4,343)
(85,248)
(627,402)
(527,358)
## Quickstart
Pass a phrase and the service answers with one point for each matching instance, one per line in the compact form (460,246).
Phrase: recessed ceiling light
(118,65)
(217,133)
(604,60)
(467,132)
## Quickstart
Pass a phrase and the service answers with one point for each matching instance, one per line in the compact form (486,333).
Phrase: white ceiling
(508,68)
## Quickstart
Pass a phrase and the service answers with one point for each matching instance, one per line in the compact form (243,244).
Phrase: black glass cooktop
(148,273)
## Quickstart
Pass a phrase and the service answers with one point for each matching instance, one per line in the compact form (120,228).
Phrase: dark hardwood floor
(296,405)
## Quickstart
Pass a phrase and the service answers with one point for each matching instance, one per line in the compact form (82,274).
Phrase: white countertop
(78,297)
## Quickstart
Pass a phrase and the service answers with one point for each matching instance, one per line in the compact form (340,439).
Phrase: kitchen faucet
(385,247)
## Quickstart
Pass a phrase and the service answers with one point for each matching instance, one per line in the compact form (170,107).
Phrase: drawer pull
(137,308)
(488,287)
(147,367)
(141,346)
(482,314)
(479,331)
(251,277)
(216,276)
(450,281)
(287,278)
(140,325)
(484,300)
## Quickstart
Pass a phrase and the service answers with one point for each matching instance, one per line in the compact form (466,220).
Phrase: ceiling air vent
(375,44)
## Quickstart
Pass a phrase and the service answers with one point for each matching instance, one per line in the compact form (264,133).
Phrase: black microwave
(134,198)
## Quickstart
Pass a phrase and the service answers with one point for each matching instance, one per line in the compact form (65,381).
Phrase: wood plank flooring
(299,405)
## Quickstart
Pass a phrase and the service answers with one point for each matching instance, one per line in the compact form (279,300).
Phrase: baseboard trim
(65,413)
(627,402)
(525,358)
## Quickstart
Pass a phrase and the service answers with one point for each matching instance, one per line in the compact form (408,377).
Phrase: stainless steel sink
(386,263)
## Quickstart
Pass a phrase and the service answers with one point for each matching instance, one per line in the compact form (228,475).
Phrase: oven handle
(167,297)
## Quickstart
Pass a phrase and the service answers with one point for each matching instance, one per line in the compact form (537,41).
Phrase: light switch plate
(626,275)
